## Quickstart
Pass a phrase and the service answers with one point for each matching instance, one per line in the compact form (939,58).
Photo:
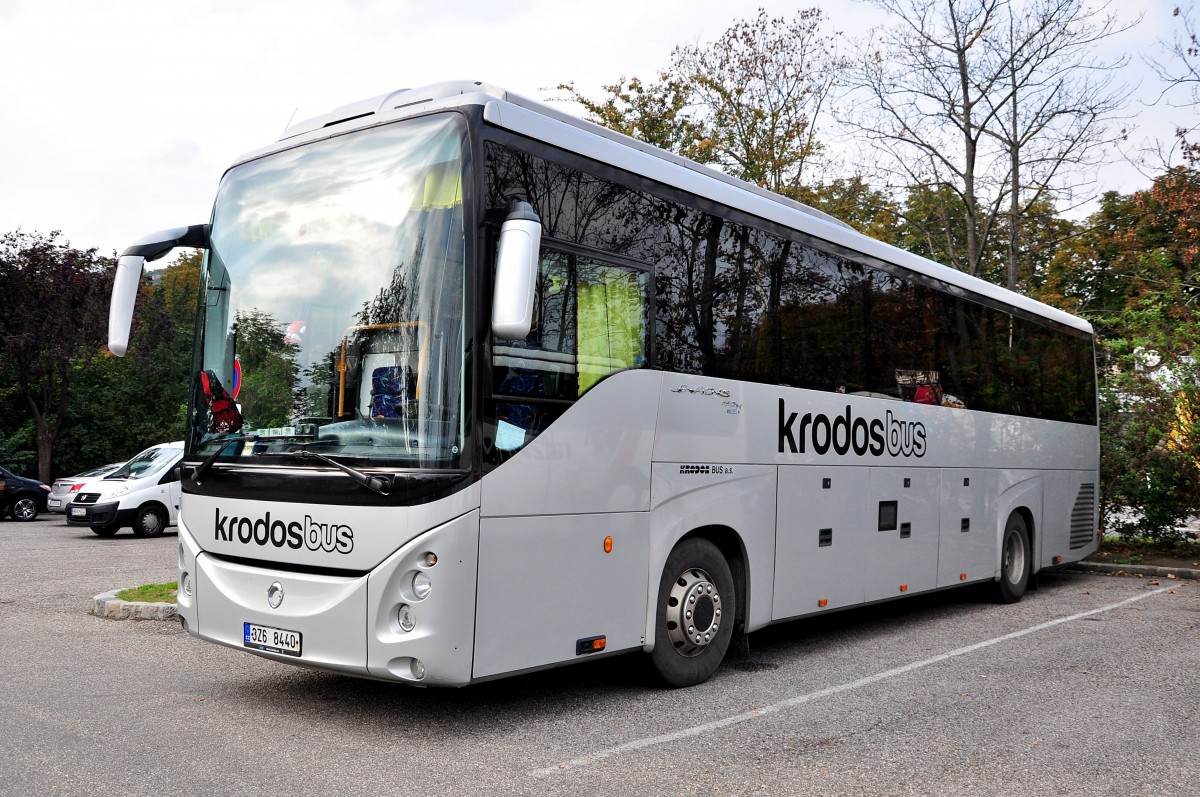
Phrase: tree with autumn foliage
(1134,271)
(751,102)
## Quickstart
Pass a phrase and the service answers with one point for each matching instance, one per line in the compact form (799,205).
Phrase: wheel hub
(693,612)
(1014,558)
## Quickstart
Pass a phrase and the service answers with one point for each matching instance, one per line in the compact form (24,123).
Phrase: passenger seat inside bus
(391,388)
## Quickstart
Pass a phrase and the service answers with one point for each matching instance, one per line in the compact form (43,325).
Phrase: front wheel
(151,521)
(1016,560)
(24,508)
(105,531)
(697,604)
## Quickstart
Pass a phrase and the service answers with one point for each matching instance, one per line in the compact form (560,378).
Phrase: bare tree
(992,107)
(1180,76)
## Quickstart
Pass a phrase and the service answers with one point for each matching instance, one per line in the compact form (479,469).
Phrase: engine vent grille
(1083,516)
(87,498)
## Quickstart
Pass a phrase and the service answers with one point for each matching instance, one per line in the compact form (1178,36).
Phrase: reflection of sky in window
(318,225)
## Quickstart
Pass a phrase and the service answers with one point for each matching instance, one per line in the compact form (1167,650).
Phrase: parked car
(63,490)
(142,494)
(21,498)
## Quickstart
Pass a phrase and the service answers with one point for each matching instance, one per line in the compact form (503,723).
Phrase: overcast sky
(118,117)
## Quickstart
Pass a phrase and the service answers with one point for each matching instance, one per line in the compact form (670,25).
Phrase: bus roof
(542,122)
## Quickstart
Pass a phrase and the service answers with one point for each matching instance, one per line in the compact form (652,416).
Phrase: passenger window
(590,320)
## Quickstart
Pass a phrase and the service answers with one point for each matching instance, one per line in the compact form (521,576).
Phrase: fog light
(418,669)
(421,585)
(185,583)
(430,559)
(406,618)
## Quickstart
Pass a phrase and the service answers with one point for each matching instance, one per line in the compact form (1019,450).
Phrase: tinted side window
(736,301)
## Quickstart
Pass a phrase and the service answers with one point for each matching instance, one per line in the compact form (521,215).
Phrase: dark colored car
(21,498)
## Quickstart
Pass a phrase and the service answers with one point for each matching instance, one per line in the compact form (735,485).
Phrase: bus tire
(1016,560)
(697,604)
(151,521)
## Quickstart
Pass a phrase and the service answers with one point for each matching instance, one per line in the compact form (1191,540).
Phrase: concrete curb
(1136,570)
(110,606)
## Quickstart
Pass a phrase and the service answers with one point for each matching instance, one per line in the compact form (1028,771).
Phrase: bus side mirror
(516,272)
(129,275)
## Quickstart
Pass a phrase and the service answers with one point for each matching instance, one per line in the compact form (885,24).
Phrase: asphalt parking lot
(1089,686)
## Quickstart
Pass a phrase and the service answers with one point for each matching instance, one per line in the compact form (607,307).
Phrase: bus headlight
(406,618)
(421,586)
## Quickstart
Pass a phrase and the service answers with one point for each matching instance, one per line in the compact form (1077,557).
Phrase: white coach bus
(482,388)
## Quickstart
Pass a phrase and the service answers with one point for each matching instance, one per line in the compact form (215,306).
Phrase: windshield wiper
(375,483)
(203,468)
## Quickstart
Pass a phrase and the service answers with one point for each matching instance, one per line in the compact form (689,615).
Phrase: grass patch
(150,593)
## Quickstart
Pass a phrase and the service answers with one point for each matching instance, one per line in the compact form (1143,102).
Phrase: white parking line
(667,738)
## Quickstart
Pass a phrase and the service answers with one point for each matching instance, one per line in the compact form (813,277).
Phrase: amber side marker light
(592,644)
(1058,560)
(904,588)
(962,576)
(608,544)
(823,602)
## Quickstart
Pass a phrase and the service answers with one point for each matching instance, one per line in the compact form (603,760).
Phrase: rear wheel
(697,605)
(1016,560)
(24,508)
(151,521)
(105,531)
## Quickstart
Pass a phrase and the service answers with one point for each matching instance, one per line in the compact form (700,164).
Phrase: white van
(143,493)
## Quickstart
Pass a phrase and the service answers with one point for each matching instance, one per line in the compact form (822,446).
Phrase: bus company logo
(327,537)
(845,433)
(695,470)
(718,392)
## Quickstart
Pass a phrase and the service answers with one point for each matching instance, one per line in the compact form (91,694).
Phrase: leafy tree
(750,102)
(121,405)
(54,301)
(657,112)
(1135,272)
(852,200)
(762,88)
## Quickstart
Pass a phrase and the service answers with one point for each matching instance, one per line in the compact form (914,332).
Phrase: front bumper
(348,624)
(108,514)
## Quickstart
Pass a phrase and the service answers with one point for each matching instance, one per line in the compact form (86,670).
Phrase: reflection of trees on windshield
(312,399)
(269,369)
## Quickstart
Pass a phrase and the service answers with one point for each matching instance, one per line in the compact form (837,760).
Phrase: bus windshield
(332,303)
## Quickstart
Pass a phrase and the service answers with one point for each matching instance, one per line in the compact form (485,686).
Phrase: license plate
(78,511)
(272,640)
(53,503)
